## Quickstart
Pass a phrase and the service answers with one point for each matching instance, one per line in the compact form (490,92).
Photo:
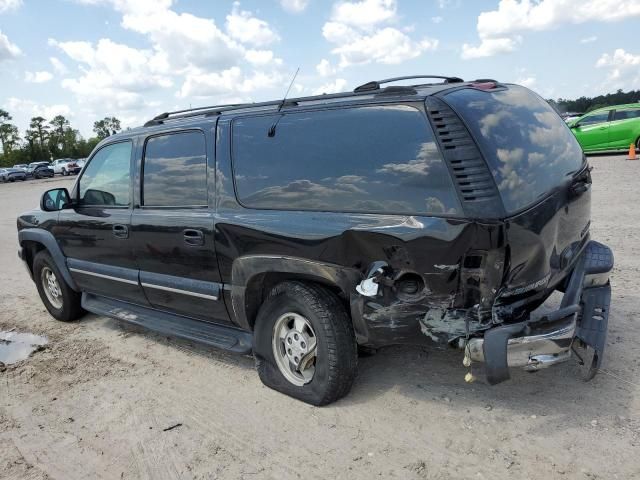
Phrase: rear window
(626,114)
(528,147)
(380,159)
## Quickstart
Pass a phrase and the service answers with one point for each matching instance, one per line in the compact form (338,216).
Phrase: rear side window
(175,170)
(528,148)
(626,114)
(106,179)
(380,159)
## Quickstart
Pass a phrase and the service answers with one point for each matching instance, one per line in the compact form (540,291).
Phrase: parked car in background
(65,166)
(81,162)
(12,174)
(40,170)
(608,128)
(31,167)
(21,166)
(419,221)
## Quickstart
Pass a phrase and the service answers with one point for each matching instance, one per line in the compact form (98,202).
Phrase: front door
(94,236)
(172,228)
(624,127)
(593,131)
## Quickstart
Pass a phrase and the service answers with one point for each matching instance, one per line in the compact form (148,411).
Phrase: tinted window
(528,147)
(595,118)
(626,114)
(175,170)
(368,159)
(105,180)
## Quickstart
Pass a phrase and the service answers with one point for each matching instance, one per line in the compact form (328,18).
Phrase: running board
(219,336)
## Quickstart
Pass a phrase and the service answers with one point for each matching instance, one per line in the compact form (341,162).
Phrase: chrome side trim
(178,290)
(101,275)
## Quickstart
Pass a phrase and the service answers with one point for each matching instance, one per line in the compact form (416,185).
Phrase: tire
(11,179)
(69,308)
(64,172)
(335,363)
(638,144)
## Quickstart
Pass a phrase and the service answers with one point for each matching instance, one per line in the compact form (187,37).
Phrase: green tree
(106,127)
(4,120)
(41,130)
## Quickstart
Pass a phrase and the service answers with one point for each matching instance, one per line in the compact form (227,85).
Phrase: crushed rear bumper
(583,314)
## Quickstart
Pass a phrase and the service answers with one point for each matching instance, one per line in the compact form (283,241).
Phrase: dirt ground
(98,400)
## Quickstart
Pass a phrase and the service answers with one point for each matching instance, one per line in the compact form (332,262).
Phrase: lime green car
(608,128)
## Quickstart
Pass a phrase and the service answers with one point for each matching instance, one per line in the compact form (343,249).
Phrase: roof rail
(375,84)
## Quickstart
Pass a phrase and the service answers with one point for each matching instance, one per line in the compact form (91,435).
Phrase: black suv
(299,230)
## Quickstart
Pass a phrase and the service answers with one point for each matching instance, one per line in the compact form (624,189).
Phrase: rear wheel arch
(254,277)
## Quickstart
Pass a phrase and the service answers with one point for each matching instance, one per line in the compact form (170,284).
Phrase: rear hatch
(541,175)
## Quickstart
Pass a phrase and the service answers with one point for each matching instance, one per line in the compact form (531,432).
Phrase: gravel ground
(97,401)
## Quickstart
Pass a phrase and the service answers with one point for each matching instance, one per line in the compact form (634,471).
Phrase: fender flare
(47,239)
(245,269)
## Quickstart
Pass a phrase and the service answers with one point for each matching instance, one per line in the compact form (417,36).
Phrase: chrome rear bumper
(534,352)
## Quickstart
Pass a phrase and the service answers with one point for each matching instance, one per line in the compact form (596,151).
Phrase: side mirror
(55,200)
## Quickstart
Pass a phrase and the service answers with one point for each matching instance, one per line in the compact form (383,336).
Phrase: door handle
(120,231)
(193,237)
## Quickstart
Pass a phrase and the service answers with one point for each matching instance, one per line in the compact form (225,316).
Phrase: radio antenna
(272,130)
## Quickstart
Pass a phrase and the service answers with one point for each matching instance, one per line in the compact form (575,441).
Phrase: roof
(370,92)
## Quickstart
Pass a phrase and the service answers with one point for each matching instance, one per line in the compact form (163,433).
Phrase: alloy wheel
(295,348)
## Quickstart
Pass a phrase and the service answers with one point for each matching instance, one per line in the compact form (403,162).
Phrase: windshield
(528,147)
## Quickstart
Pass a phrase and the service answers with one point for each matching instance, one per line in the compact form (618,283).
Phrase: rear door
(94,236)
(593,131)
(624,127)
(172,226)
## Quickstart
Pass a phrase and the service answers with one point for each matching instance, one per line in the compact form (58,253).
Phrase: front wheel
(304,343)
(62,302)
(64,172)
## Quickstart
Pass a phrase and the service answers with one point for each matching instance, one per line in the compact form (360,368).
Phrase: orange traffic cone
(632,152)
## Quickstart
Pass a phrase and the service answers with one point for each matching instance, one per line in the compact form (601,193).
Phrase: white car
(65,166)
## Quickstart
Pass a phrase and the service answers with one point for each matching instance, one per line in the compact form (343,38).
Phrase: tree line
(586,104)
(45,140)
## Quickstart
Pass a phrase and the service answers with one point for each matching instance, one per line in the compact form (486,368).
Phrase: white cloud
(58,66)
(498,29)
(6,5)
(185,50)
(489,47)
(227,83)
(338,85)
(37,77)
(115,76)
(437,19)
(388,45)
(8,50)
(365,13)
(29,108)
(588,39)
(623,69)
(324,68)
(294,6)
(360,35)
(245,28)
(529,81)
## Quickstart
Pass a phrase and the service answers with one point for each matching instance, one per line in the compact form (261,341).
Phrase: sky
(133,59)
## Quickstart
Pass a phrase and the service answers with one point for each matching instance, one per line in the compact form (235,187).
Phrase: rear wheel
(64,172)
(62,302)
(638,144)
(304,343)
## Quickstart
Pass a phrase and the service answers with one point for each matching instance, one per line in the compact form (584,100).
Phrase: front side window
(626,114)
(595,118)
(175,170)
(377,159)
(528,148)
(106,178)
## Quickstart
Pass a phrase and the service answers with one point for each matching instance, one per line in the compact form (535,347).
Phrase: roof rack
(375,84)
(214,110)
